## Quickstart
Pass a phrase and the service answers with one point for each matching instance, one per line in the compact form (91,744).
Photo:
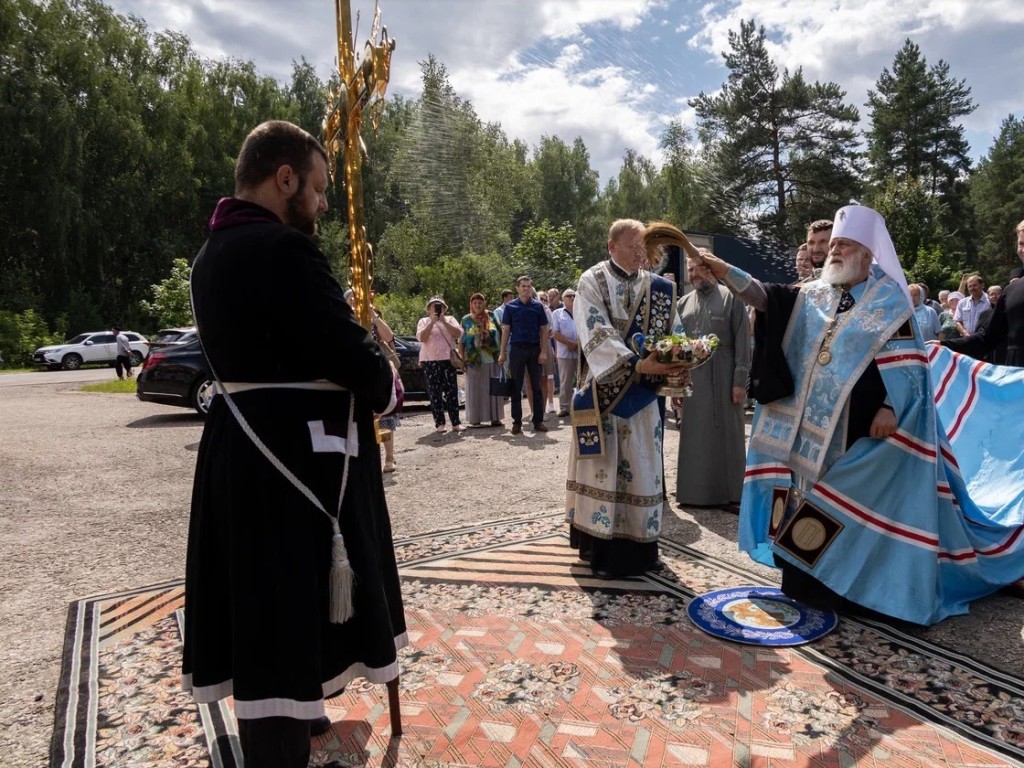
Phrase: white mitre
(866,226)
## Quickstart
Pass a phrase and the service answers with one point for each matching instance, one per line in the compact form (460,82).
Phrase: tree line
(116,142)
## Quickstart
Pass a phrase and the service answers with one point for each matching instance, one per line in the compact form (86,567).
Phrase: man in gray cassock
(711,441)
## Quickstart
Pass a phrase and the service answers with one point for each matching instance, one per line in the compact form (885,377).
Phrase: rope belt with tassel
(342,577)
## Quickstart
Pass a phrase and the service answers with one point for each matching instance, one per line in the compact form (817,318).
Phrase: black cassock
(1005,328)
(259,552)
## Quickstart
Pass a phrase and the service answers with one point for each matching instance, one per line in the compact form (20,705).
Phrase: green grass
(123,386)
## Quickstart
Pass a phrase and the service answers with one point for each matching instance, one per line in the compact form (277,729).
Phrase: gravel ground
(94,495)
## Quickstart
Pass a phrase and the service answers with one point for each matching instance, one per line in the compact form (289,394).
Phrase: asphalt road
(84,376)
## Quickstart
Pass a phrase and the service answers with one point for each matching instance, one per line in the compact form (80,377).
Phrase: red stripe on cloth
(950,458)
(870,517)
(946,378)
(998,548)
(915,445)
(974,553)
(958,556)
(891,358)
(933,350)
(972,395)
(757,471)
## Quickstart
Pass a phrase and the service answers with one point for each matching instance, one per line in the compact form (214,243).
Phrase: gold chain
(825,355)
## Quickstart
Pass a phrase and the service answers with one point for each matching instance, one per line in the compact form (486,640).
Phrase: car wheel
(136,358)
(202,396)
(71,362)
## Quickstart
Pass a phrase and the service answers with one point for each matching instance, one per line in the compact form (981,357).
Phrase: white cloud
(593,68)
(603,105)
(853,41)
(566,18)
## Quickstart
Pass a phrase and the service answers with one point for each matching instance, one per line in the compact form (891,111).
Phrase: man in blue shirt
(524,344)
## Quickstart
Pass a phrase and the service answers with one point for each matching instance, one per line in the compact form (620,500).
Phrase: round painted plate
(759,616)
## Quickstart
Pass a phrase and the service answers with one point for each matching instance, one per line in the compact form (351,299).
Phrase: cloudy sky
(617,71)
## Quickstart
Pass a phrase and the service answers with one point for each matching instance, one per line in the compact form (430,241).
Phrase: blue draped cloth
(915,526)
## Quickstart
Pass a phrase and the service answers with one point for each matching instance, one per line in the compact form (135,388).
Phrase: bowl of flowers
(693,352)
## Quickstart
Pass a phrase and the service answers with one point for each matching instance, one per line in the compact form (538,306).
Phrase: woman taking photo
(478,346)
(437,334)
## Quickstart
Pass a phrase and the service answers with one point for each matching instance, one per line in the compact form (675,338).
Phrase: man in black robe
(288,477)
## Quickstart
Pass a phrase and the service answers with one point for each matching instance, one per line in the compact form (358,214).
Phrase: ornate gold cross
(362,83)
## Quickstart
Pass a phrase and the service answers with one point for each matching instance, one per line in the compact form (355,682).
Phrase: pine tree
(997,199)
(914,130)
(780,151)
(915,133)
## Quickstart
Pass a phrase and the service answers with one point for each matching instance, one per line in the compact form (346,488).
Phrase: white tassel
(342,580)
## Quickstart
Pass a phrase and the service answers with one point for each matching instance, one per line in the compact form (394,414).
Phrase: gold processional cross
(362,84)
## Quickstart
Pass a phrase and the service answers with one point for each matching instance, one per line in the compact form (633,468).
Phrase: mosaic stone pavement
(518,657)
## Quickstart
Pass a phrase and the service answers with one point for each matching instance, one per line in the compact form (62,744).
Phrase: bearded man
(819,235)
(853,483)
(291,584)
(711,441)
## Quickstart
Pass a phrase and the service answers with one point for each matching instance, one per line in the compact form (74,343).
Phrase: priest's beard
(703,285)
(297,217)
(847,273)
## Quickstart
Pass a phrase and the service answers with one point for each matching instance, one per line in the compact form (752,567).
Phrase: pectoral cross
(362,85)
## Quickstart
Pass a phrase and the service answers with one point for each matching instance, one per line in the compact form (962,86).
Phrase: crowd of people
(527,343)
(858,482)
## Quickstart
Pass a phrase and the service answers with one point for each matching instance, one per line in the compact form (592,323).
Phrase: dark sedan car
(173,337)
(179,375)
(176,375)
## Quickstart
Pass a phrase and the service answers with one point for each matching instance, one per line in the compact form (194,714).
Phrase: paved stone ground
(94,494)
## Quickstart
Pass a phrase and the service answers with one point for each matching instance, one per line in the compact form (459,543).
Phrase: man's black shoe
(320,726)
(605,575)
(540,427)
(562,414)
(517,427)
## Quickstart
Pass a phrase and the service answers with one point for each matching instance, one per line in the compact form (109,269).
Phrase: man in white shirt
(968,310)
(123,361)
(566,349)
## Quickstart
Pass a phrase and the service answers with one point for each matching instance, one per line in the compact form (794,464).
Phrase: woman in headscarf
(478,346)
(949,329)
(437,334)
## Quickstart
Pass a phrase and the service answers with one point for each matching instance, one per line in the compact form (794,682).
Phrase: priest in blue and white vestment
(881,472)
(615,498)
